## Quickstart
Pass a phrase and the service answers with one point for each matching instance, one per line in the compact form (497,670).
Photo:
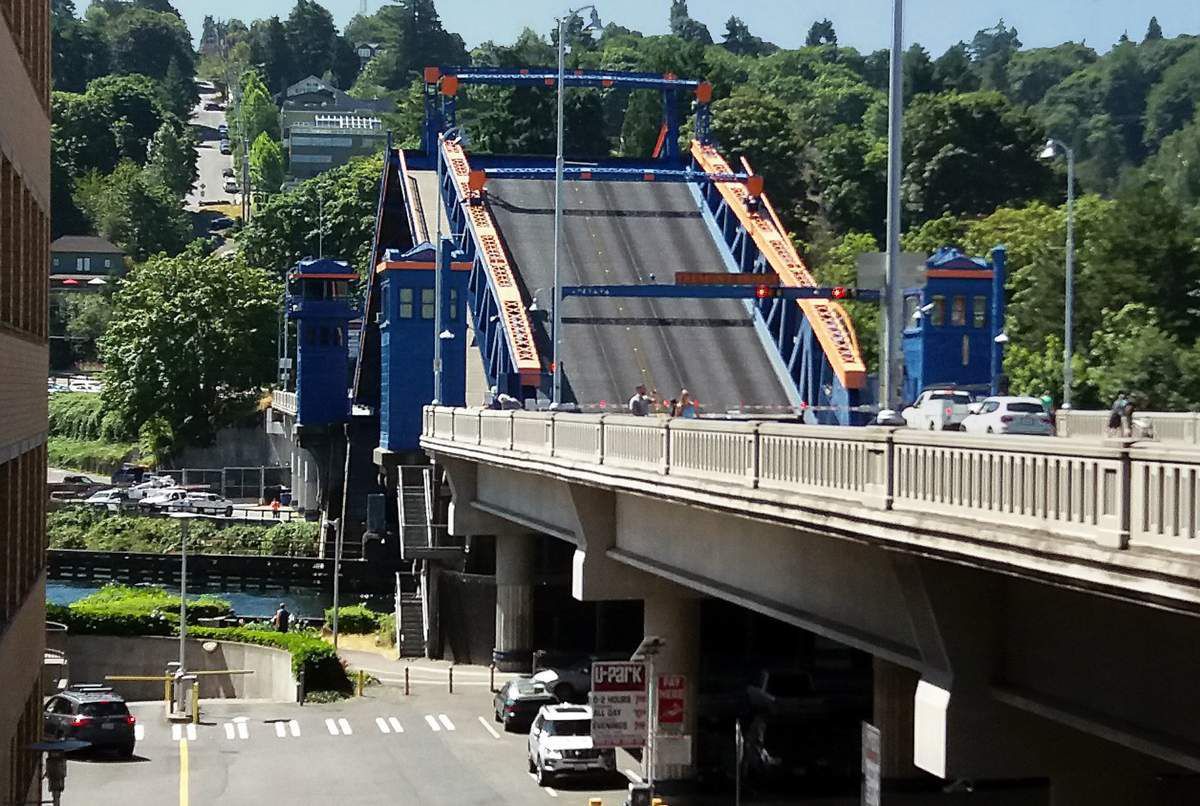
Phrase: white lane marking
(551,791)
(139,732)
(191,731)
(345,726)
(332,726)
(383,725)
(243,730)
(280,730)
(433,723)
(395,723)
(176,732)
(489,728)
(228,730)
(445,720)
(294,726)
(632,776)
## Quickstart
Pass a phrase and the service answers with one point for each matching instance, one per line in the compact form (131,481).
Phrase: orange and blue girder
(759,242)
(599,172)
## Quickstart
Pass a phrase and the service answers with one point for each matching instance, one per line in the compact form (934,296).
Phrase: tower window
(406,303)
(427,303)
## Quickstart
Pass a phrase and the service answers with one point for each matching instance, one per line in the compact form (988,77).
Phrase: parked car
(213,106)
(226,148)
(938,410)
(231,186)
(111,498)
(91,713)
(223,130)
(1009,415)
(228,172)
(220,223)
(518,702)
(149,485)
(129,474)
(162,498)
(568,675)
(206,503)
(560,743)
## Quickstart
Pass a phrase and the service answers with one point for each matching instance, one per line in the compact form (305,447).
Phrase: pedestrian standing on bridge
(685,408)
(281,619)
(641,403)
(1117,414)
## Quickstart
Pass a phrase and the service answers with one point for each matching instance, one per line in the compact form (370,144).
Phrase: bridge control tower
(319,301)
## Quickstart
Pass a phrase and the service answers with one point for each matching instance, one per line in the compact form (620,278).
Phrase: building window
(108,263)
(958,312)
(56,263)
(453,304)
(406,303)
(937,317)
(966,350)
(979,311)
(426,303)
(83,264)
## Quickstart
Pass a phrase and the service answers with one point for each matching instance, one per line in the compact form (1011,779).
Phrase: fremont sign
(619,704)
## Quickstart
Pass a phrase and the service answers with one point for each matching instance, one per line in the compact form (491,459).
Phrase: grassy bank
(88,455)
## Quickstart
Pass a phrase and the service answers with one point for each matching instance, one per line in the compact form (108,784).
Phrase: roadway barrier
(1113,492)
(1172,427)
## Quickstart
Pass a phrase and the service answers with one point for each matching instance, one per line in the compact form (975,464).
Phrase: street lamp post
(320,223)
(451,135)
(892,324)
(556,357)
(1048,152)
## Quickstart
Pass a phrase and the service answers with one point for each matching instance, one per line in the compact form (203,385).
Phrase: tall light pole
(1048,152)
(892,326)
(556,325)
(451,135)
(320,223)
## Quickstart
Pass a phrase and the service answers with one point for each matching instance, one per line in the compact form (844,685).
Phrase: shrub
(91,455)
(355,619)
(387,630)
(124,610)
(323,669)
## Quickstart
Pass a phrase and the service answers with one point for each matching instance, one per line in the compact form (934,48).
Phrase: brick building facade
(24,256)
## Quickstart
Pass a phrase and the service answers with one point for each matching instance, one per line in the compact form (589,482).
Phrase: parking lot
(431,747)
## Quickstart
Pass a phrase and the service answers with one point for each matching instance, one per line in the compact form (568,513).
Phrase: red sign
(725,278)
(672,699)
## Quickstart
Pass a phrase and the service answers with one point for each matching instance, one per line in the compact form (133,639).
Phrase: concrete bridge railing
(1172,427)
(283,401)
(1116,493)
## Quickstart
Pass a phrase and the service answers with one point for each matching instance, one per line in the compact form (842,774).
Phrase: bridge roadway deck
(623,233)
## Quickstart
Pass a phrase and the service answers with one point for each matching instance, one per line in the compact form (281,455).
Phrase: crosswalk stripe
(139,732)
(395,723)
(243,730)
(383,726)
(331,726)
(280,730)
(446,721)
(433,723)
(191,731)
(489,728)
(176,732)
(345,726)
(294,726)
(229,730)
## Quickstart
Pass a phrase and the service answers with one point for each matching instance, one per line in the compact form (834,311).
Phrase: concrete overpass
(1032,603)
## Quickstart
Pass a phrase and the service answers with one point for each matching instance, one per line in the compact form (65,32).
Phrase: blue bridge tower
(319,300)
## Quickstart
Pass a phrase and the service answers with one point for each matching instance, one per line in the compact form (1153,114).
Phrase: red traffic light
(840,292)
(764,291)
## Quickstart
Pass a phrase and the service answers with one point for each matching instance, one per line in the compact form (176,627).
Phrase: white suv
(560,743)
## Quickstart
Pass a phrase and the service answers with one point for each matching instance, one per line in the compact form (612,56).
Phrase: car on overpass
(111,499)
(202,502)
(90,713)
(1009,415)
(938,410)
(560,743)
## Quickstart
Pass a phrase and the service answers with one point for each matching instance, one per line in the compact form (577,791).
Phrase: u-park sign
(619,704)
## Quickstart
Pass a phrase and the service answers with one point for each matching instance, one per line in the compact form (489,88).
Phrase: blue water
(302,603)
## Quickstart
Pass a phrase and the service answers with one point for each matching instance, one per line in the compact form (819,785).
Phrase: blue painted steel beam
(615,174)
(665,291)
(572,78)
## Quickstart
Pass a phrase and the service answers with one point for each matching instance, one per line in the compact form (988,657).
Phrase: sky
(863,24)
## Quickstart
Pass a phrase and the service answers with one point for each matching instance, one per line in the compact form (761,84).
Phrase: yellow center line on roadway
(183,772)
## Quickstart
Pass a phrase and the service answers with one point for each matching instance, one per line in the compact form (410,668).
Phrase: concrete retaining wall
(94,656)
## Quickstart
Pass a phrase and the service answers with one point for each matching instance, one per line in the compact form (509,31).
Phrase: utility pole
(889,351)
(556,336)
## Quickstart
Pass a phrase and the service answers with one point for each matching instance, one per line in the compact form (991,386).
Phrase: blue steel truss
(490,334)
(614,174)
(786,325)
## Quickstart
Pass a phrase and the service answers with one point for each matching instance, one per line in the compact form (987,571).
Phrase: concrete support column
(892,712)
(675,619)
(514,602)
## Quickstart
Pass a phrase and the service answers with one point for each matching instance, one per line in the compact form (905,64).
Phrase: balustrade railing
(1114,492)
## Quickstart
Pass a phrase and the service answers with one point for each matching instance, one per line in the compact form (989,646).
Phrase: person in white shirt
(641,403)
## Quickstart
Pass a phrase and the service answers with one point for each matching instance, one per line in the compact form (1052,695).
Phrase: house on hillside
(323,127)
(367,51)
(84,263)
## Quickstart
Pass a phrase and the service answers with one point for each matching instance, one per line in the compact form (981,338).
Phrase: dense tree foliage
(134,210)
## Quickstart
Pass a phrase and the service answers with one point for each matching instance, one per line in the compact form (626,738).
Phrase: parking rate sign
(619,704)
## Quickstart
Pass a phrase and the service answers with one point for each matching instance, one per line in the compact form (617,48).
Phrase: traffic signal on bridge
(766,292)
(841,292)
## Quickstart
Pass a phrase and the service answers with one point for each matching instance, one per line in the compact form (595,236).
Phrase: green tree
(952,143)
(849,172)
(1154,31)
(991,50)
(739,40)
(1031,73)
(920,74)
(172,157)
(145,41)
(1132,352)
(413,36)
(954,71)
(266,163)
(821,33)
(310,33)
(178,90)
(1172,102)
(1176,167)
(257,111)
(686,28)
(114,119)
(177,321)
(134,210)
(269,47)
(78,52)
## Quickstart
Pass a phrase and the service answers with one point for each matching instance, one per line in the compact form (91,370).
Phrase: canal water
(301,602)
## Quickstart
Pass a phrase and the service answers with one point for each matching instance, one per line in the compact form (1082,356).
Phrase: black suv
(90,713)
(518,701)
